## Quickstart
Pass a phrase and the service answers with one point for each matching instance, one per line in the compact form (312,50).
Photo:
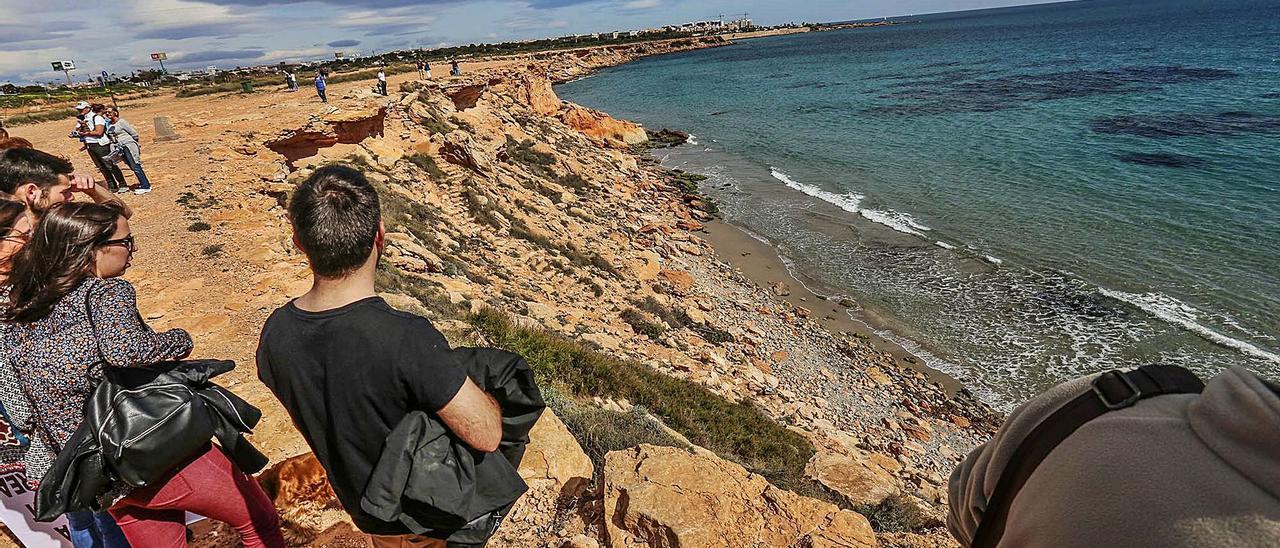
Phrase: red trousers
(209,485)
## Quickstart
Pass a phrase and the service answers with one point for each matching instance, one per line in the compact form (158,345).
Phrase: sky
(119,35)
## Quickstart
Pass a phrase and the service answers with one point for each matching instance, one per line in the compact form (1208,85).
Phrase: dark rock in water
(1160,159)
(667,138)
(719,112)
(1183,125)
(1270,95)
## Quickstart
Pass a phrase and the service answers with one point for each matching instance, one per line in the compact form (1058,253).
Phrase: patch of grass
(37,117)
(600,431)
(522,153)
(676,317)
(428,164)
(198,226)
(486,211)
(211,250)
(462,124)
(738,431)
(895,514)
(195,91)
(190,201)
(430,295)
(572,180)
(640,324)
(436,126)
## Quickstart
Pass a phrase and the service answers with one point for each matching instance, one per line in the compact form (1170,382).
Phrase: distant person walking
(426,68)
(93,132)
(455,69)
(293,81)
(320,85)
(127,142)
(382,81)
(422,73)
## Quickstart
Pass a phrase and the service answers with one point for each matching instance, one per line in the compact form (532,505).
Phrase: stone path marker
(164,129)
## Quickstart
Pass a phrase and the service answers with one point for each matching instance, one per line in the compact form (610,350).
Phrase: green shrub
(198,226)
(642,325)
(738,431)
(895,514)
(211,250)
(428,164)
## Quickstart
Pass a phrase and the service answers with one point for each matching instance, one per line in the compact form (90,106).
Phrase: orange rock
(682,281)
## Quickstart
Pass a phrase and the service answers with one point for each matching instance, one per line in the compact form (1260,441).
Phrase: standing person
(421,73)
(426,66)
(347,366)
(293,81)
(320,85)
(98,144)
(455,69)
(382,80)
(70,315)
(124,136)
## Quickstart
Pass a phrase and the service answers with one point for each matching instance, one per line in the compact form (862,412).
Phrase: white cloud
(642,4)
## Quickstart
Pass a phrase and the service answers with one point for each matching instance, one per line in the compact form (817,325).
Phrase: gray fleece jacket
(1171,471)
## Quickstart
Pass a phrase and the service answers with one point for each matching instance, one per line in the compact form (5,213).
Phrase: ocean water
(1021,195)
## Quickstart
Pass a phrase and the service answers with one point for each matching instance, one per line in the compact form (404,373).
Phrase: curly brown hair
(58,256)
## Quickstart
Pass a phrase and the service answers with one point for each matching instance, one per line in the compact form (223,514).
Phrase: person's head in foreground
(35,178)
(83,107)
(71,242)
(1146,458)
(337,222)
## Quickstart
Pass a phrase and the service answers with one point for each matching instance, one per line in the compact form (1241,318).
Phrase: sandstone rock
(682,281)
(669,497)
(856,477)
(601,126)
(555,468)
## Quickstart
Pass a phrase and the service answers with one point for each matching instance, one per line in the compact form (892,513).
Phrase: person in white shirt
(98,144)
(382,80)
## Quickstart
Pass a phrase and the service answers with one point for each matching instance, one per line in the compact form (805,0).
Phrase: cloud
(343,43)
(218,55)
(37,31)
(642,4)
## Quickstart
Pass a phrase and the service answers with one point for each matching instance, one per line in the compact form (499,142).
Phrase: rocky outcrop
(602,127)
(343,126)
(666,497)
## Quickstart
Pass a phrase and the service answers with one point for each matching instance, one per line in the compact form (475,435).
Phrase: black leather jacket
(434,484)
(140,424)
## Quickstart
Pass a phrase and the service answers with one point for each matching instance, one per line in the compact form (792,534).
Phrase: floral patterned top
(58,360)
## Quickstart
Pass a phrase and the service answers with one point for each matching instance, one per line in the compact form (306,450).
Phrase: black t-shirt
(347,376)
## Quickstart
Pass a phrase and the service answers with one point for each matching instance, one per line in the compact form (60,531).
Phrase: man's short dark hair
(19,166)
(335,215)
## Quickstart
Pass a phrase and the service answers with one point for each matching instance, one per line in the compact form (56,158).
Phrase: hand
(82,183)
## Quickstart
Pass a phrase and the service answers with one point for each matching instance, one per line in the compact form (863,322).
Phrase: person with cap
(93,133)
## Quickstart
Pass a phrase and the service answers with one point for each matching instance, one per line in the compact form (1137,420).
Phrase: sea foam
(852,202)
(1182,314)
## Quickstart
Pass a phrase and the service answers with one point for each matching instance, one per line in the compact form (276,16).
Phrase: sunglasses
(126,241)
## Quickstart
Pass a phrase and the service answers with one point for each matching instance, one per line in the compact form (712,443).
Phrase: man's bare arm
(474,417)
(95,191)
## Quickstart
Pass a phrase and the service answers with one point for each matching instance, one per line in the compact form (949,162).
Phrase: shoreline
(764,264)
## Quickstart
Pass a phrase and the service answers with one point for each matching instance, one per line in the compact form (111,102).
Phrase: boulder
(682,281)
(670,497)
(556,469)
(854,476)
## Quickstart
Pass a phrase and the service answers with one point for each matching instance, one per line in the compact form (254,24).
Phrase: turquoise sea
(1021,195)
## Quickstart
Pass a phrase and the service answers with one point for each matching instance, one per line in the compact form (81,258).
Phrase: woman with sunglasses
(70,315)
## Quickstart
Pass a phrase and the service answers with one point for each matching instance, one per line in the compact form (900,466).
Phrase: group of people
(345,365)
(322,78)
(109,139)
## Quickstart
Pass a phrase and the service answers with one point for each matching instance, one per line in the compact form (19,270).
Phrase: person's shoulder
(111,286)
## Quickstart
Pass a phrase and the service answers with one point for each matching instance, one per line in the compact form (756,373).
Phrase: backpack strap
(1110,391)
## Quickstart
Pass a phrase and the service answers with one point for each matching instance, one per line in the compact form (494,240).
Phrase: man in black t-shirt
(346,365)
